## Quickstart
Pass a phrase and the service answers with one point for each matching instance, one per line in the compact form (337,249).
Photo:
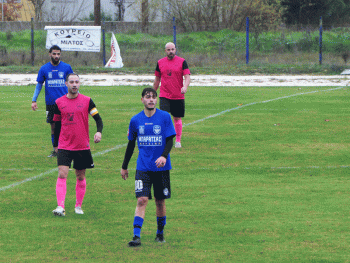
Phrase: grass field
(262,177)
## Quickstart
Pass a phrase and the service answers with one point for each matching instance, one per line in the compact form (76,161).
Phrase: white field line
(187,124)
(255,103)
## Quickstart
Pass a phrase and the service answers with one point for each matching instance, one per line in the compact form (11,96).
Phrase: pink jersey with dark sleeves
(171,73)
(74,117)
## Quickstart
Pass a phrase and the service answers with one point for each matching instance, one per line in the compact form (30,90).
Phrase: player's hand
(160,162)
(183,90)
(97,137)
(34,106)
(124,173)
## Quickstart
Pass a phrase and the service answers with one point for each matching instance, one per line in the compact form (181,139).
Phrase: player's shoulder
(45,66)
(179,58)
(64,65)
(163,114)
(163,60)
(84,97)
(138,115)
(60,99)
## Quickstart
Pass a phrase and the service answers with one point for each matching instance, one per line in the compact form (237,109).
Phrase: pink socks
(61,190)
(80,190)
(178,129)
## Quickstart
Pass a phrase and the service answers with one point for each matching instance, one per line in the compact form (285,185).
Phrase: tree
(308,12)
(10,10)
(67,10)
(121,10)
(144,16)
(215,14)
(38,6)
(97,12)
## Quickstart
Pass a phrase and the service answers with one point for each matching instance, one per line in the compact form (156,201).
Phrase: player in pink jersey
(173,74)
(72,141)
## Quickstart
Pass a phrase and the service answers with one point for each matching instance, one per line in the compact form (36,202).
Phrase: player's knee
(62,174)
(142,201)
(160,202)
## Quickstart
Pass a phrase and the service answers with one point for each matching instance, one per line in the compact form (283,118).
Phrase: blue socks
(161,222)
(138,221)
(53,139)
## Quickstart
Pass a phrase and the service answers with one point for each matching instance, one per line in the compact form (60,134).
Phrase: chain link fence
(220,48)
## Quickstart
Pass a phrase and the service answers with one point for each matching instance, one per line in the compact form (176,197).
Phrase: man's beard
(55,62)
(171,56)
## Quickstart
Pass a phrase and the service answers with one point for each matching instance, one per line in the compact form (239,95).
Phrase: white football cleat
(78,210)
(177,144)
(59,211)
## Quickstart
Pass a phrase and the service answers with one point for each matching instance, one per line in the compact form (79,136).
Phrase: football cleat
(78,210)
(52,154)
(135,242)
(59,211)
(160,238)
(177,144)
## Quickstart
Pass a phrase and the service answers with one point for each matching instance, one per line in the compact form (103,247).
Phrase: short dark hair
(54,47)
(70,74)
(149,90)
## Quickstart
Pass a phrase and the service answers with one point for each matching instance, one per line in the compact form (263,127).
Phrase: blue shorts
(50,111)
(160,181)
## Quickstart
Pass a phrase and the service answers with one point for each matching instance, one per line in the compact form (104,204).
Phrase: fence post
(247,42)
(103,43)
(174,30)
(321,29)
(32,41)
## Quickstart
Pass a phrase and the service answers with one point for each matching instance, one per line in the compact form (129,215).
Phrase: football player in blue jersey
(53,74)
(154,131)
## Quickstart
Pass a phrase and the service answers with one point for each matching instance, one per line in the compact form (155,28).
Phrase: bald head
(170,50)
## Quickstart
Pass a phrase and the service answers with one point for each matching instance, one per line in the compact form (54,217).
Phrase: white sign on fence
(74,38)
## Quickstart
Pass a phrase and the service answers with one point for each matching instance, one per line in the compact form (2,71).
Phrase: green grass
(266,181)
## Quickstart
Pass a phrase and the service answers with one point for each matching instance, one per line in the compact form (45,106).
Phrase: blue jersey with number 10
(151,134)
(54,78)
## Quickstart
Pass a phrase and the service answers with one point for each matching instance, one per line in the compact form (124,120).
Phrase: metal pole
(32,41)
(247,42)
(174,30)
(2,10)
(103,44)
(320,58)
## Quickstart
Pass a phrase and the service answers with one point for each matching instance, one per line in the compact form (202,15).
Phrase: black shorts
(82,159)
(49,113)
(175,107)
(160,181)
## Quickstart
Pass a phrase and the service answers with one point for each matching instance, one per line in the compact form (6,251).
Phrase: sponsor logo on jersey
(55,82)
(70,116)
(50,75)
(150,140)
(157,129)
(141,129)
